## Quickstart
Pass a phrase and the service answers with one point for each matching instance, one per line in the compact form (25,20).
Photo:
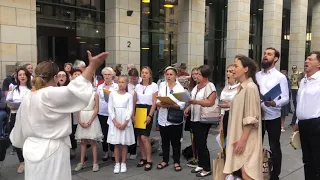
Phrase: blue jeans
(3,117)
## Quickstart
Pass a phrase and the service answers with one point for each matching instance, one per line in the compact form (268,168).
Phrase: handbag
(267,164)
(210,115)
(174,115)
(218,165)
(295,140)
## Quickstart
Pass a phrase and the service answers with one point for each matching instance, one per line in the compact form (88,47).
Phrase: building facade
(157,33)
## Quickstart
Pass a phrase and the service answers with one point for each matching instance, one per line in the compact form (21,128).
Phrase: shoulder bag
(175,115)
(210,115)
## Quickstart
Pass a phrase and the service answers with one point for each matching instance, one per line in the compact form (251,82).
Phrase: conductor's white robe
(43,127)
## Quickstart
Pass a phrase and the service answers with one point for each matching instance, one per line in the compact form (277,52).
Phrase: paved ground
(292,168)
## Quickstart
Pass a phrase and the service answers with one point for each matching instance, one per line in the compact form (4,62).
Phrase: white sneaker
(116,168)
(95,168)
(79,167)
(123,167)
(282,129)
(133,156)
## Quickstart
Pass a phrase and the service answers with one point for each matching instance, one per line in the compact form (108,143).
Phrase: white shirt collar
(269,71)
(233,86)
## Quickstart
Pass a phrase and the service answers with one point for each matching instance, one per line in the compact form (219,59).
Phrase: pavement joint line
(292,172)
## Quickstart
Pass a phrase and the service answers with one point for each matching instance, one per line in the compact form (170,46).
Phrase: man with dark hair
(308,115)
(268,79)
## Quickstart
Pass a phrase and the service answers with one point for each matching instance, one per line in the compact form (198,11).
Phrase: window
(171,22)
(171,11)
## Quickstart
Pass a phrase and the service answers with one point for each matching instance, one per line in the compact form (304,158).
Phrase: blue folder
(272,94)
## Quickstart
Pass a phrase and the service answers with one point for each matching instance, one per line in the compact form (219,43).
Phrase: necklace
(144,89)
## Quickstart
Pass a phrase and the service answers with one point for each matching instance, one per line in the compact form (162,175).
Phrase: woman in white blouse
(227,94)
(170,132)
(109,85)
(203,95)
(43,128)
(15,97)
(145,96)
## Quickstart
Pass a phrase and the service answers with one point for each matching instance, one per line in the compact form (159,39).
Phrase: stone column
(191,33)
(123,32)
(298,26)
(18,37)
(237,29)
(272,26)
(315,29)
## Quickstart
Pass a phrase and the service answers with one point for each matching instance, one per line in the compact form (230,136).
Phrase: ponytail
(38,83)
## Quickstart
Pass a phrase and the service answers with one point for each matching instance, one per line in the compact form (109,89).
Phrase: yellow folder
(140,118)
(166,99)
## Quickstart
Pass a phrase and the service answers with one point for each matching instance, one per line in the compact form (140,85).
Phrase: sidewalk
(292,167)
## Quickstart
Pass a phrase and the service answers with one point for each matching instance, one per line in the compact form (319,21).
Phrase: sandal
(148,168)
(177,168)
(161,166)
(142,163)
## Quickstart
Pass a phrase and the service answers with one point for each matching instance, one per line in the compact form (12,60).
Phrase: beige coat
(245,110)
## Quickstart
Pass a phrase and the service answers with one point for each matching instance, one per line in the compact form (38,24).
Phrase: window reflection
(158,35)
(67,28)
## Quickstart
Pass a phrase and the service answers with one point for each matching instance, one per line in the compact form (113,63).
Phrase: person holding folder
(308,115)
(144,106)
(274,94)
(170,131)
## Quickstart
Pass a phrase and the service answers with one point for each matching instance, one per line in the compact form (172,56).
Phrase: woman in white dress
(120,131)
(15,97)
(43,128)
(89,129)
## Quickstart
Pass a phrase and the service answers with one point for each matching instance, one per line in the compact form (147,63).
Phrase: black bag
(175,116)
(187,153)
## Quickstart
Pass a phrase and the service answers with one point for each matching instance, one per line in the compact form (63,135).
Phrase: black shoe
(104,159)
(148,168)
(142,162)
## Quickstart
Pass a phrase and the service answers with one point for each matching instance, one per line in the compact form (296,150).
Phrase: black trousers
(18,150)
(105,128)
(225,123)
(310,143)
(200,132)
(171,134)
(132,149)
(273,127)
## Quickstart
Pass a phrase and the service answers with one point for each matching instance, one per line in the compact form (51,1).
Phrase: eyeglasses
(61,75)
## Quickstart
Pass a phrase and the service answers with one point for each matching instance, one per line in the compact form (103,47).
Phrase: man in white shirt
(267,79)
(308,115)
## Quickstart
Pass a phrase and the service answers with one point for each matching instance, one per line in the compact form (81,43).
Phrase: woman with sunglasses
(170,131)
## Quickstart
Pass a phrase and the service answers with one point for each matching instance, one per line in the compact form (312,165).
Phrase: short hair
(133,72)
(75,70)
(108,69)
(205,71)
(317,53)
(78,63)
(276,52)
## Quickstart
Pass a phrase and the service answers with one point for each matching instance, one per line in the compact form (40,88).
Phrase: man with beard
(308,114)
(267,79)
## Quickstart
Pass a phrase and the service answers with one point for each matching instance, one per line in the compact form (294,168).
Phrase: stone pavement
(292,167)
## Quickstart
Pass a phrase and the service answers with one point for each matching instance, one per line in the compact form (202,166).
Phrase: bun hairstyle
(44,73)
(251,65)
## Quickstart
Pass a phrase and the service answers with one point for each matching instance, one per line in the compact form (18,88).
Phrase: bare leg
(282,121)
(124,153)
(245,175)
(94,151)
(142,149)
(147,147)
(117,153)
(83,150)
